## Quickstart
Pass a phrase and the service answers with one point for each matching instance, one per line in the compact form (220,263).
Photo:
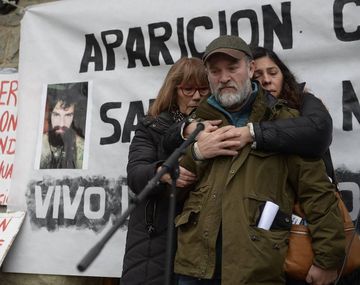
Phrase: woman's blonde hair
(189,71)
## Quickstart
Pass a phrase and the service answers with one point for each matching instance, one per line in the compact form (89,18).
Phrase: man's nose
(224,77)
(62,121)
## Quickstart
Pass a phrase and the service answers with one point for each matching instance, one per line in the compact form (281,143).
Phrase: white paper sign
(8,124)
(10,224)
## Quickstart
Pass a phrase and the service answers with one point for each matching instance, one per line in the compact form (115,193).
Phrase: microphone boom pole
(167,166)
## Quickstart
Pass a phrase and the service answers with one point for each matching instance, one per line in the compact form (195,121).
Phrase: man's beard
(65,140)
(59,139)
(231,100)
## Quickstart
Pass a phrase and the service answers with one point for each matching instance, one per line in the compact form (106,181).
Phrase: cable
(348,249)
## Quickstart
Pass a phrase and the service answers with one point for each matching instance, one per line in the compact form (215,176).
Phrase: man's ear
(251,68)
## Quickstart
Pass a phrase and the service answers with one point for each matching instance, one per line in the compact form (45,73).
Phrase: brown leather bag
(300,255)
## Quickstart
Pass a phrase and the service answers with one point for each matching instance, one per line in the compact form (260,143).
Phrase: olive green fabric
(229,193)
(227,44)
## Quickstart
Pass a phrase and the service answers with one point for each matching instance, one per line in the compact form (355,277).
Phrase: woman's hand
(241,135)
(210,126)
(185,179)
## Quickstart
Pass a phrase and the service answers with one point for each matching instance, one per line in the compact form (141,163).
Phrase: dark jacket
(308,135)
(144,260)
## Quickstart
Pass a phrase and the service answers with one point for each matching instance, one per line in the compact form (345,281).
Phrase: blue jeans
(187,280)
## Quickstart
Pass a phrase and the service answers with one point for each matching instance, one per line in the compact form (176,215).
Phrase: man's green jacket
(229,195)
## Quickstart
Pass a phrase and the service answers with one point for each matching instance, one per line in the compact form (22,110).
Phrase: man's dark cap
(230,45)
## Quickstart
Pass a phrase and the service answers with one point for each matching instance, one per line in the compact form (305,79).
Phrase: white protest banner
(113,55)
(10,224)
(8,123)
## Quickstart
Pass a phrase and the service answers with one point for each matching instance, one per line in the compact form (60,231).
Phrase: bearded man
(219,237)
(63,143)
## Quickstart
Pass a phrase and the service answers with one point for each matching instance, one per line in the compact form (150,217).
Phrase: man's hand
(223,141)
(319,276)
(185,179)
(218,142)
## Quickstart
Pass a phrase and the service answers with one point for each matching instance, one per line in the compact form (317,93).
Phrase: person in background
(218,238)
(182,90)
(309,135)
(275,76)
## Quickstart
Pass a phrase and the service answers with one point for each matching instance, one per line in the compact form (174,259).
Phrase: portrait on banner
(64,124)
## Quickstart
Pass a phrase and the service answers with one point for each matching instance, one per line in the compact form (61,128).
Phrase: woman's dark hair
(290,91)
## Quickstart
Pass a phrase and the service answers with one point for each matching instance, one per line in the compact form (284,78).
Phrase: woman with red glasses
(181,92)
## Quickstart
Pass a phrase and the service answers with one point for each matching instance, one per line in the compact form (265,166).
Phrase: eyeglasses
(190,91)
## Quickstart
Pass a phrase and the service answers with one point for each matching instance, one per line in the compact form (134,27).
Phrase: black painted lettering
(272,24)
(92,53)
(222,23)
(205,22)
(181,39)
(135,47)
(115,137)
(81,202)
(247,14)
(157,43)
(340,32)
(110,46)
(350,105)
(136,111)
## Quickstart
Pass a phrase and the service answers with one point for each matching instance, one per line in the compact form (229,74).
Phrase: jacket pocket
(190,229)
(252,204)
(192,206)
(267,249)
(255,204)
(187,217)
(188,238)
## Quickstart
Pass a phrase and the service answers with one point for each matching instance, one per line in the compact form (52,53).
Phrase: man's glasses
(190,91)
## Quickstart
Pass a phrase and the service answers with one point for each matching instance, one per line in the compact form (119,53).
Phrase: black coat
(308,135)
(145,253)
